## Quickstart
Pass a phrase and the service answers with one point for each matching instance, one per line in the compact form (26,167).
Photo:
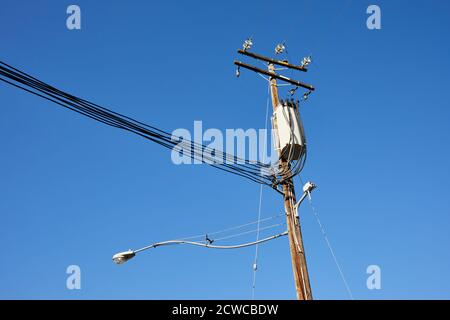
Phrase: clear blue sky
(73,191)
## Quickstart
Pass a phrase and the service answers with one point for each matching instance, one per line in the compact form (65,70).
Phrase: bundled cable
(253,170)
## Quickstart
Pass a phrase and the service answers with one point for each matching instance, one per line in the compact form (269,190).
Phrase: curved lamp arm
(123,257)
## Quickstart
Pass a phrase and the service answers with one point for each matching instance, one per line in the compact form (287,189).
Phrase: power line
(327,241)
(253,170)
(255,261)
(232,228)
(251,231)
(170,242)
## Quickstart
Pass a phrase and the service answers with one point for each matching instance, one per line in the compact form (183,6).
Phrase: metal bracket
(307,189)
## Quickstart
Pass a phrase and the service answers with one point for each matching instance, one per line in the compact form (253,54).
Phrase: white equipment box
(290,136)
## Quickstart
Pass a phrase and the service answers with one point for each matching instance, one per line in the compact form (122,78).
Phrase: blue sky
(73,191)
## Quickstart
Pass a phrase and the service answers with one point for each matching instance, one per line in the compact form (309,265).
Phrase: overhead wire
(107,121)
(211,246)
(251,169)
(233,228)
(255,260)
(258,230)
(330,248)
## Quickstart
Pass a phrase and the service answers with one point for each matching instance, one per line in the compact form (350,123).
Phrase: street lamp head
(309,186)
(123,257)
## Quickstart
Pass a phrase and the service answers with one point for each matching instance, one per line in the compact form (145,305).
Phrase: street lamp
(307,189)
(123,257)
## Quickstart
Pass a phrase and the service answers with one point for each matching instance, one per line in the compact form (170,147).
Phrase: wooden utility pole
(298,257)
